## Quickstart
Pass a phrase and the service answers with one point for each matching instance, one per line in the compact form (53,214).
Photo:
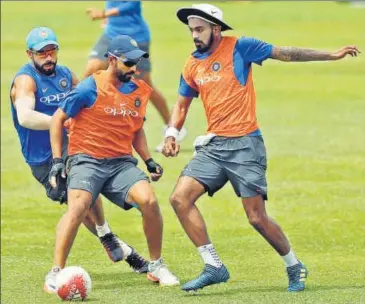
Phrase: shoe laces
(135,260)
(110,241)
(294,272)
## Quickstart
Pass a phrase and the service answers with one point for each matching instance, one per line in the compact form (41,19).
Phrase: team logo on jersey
(43,34)
(63,83)
(134,43)
(137,102)
(216,66)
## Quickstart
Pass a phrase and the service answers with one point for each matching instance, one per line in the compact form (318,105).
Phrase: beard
(124,77)
(202,48)
(43,70)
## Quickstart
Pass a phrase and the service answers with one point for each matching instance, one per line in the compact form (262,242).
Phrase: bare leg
(157,99)
(183,199)
(95,217)
(266,226)
(142,194)
(78,205)
(94,65)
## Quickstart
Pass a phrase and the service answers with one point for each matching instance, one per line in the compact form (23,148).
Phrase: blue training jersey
(50,91)
(129,21)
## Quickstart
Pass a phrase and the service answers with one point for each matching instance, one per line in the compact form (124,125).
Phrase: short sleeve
(83,96)
(186,90)
(253,50)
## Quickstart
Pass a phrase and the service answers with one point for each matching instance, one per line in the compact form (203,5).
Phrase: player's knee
(148,204)
(79,202)
(256,219)
(178,201)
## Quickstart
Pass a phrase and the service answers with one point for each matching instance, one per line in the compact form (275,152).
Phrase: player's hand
(95,14)
(170,148)
(58,170)
(154,168)
(347,50)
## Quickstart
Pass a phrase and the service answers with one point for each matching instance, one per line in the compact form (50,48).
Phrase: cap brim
(132,55)
(136,54)
(41,45)
(185,12)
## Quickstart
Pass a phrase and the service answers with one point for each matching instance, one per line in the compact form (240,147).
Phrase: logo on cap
(216,66)
(43,34)
(134,43)
(63,83)
(137,102)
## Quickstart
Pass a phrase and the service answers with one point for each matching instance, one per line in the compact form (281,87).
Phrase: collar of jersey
(128,87)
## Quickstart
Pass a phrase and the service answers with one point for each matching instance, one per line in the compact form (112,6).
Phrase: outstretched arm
(294,54)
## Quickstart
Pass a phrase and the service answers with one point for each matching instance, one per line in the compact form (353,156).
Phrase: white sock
(290,259)
(103,230)
(126,249)
(209,256)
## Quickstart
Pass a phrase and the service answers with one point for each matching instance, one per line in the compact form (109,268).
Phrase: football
(73,283)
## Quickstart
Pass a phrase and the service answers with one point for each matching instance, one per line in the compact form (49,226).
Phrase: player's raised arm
(22,95)
(294,54)
(178,115)
(141,147)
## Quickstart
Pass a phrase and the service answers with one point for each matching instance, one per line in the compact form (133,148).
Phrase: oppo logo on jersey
(55,98)
(207,78)
(121,111)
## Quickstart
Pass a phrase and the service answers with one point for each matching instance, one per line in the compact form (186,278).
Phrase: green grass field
(312,117)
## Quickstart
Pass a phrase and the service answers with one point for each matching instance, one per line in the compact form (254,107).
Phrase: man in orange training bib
(233,150)
(107,112)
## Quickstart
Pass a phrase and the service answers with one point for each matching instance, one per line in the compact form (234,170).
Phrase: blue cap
(39,37)
(126,46)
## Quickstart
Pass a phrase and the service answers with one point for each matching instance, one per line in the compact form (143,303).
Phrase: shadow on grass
(117,280)
(230,289)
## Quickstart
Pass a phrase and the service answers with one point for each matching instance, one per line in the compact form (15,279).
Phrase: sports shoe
(112,246)
(136,262)
(297,275)
(210,275)
(158,273)
(50,285)
(182,134)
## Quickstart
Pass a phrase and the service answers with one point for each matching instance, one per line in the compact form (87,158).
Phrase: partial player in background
(233,150)
(107,112)
(36,91)
(125,18)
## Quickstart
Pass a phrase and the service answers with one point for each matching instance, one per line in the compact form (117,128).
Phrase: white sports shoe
(50,285)
(182,134)
(159,273)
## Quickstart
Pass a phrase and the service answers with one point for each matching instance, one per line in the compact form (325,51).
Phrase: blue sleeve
(253,50)
(124,7)
(83,96)
(186,90)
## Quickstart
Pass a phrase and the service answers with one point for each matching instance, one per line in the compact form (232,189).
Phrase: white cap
(207,12)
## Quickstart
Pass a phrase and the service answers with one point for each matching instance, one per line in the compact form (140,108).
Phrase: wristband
(57,160)
(171,131)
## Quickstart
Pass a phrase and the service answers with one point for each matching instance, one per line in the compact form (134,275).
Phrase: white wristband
(171,131)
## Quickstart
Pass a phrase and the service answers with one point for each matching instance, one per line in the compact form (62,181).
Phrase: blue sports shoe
(297,275)
(210,275)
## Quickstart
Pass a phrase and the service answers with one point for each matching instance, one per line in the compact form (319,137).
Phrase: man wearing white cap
(233,150)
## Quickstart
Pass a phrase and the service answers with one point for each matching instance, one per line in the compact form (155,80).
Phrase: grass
(312,117)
